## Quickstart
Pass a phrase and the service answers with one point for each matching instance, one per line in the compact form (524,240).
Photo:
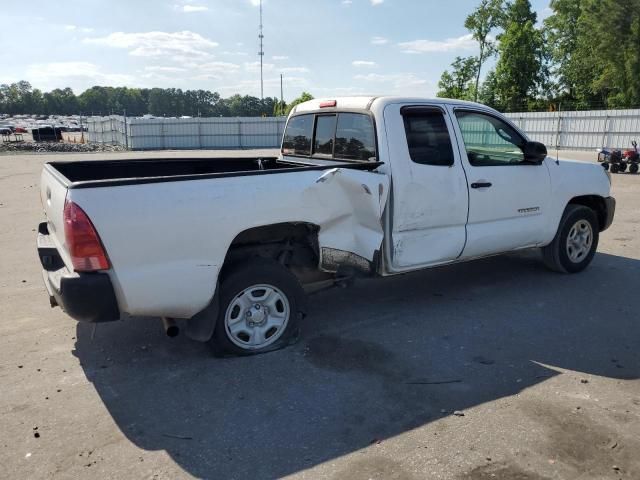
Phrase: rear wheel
(615,168)
(260,305)
(623,166)
(575,243)
(633,168)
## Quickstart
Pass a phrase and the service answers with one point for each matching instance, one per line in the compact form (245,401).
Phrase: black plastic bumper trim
(86,297)
(610,203)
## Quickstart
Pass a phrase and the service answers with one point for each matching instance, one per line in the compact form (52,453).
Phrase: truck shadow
(374,361)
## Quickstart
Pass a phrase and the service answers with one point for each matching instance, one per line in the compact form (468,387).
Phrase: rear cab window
(340,136)
(297,137)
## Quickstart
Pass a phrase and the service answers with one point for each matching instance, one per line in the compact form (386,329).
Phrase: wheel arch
(596,203)
(286,242)
(293,244)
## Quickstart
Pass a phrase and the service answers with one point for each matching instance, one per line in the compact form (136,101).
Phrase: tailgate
(53,192)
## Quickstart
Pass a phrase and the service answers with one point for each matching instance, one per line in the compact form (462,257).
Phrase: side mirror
(535,152)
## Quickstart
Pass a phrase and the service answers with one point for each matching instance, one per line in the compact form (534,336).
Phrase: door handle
(481,185)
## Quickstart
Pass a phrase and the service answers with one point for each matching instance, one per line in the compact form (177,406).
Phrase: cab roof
(365,102)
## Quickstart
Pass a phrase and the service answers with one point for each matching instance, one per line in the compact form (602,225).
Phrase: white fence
(187,133)
(586,130)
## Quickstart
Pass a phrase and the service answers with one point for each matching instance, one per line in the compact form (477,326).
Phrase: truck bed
(97,173)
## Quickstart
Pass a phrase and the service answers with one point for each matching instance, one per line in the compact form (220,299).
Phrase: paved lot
(543,367)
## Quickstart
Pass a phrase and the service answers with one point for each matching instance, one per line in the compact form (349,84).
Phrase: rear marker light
(328,103)
(83,242)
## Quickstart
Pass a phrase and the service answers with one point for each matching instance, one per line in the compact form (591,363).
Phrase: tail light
(83,242)
(328,103)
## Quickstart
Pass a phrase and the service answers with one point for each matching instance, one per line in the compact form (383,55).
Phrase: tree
(489,91)
(21,98)
(484,19)
(459,82)
(305,97)
(520,69)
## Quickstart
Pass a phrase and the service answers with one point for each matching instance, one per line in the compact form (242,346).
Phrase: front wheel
(633,168)
(575,243)
(260,305)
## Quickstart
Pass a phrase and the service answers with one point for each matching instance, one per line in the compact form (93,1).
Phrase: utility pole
(281,109)
(261,54)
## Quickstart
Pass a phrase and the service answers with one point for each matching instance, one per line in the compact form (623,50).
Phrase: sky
(325,47)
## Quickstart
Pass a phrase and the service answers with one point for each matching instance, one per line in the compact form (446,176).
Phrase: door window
(427,137)
(490,141)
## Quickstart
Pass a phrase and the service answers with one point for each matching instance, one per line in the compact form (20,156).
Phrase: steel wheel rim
(257,316)
(579,241)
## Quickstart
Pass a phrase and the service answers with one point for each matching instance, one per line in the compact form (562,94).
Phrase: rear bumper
(610,203)
(86,297)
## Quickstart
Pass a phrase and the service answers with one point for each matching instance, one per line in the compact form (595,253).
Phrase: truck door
(508,196)
(429,199)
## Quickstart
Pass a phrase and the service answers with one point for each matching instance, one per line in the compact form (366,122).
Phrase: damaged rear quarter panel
(353,202)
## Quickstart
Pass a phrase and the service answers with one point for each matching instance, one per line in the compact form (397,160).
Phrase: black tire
(605,166)
(633,168)
(623,166)
(238,282)
(615,168)
(556,256)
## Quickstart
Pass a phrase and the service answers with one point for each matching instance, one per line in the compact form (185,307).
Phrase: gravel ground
(495,369)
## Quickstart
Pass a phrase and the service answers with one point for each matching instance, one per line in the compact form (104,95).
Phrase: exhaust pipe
(170,327)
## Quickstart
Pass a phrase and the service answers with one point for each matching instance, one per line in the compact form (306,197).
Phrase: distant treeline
(22,98)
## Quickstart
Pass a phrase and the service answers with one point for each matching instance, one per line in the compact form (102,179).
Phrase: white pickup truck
(364,186)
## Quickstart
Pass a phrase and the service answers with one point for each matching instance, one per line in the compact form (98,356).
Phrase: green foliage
(21,98)
(520,71)
(305,97)
(459,83)
(484,19)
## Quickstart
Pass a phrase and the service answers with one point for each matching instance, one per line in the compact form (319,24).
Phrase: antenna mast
(261,54)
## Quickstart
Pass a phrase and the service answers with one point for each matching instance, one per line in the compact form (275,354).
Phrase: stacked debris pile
(48,147)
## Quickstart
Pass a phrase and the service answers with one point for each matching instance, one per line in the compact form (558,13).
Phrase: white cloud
(218,67)
(160,69)
(254,67)
(80,74)
(379,41)
(235,54)
(347,2)
(398,83)
(194,8)
(364,63)
(465,42)
(279,57)
(158,44)
(74,28)
(294,70)
(376,2)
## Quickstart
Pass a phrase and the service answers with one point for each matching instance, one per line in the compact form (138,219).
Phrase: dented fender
(352,223)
